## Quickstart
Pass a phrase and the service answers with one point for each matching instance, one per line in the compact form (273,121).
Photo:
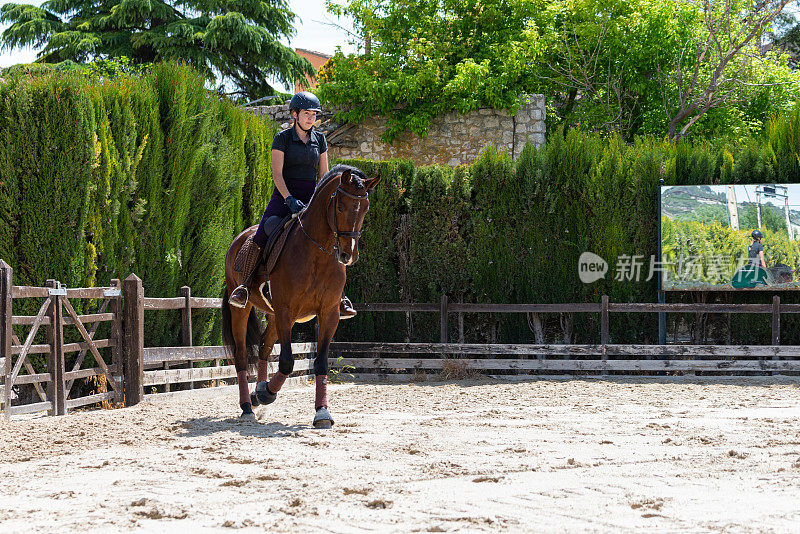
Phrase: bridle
(334,199)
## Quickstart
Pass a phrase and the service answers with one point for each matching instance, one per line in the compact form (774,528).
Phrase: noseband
(334,199)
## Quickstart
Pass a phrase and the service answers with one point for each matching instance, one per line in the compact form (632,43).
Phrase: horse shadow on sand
(208,426)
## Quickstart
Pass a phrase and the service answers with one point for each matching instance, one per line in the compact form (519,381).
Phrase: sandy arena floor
(543,456)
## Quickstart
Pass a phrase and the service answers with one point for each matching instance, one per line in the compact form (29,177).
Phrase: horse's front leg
(265,350)
(267,391)
(328,322)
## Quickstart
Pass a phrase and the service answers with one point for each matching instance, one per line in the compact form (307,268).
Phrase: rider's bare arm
(277,173)
(323,164)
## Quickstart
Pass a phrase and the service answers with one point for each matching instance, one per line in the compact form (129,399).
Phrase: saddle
(278,233)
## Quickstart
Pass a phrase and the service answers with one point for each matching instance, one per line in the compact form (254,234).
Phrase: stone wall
(453,139)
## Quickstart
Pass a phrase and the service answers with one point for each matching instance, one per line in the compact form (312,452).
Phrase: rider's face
(306,118)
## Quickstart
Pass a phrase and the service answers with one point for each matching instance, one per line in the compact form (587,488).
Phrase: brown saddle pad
(276,242)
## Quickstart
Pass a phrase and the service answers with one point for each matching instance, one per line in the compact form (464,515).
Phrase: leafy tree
(235,42)
(645,66)
(421,58)
(724,62)
(771,218)
(600,59)
(618,66)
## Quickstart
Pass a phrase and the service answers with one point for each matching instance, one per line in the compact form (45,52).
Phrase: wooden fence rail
(133,366)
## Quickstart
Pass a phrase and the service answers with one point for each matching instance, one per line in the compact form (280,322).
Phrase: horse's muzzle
(347,258)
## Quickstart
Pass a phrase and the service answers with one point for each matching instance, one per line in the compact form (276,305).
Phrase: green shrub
(104,176)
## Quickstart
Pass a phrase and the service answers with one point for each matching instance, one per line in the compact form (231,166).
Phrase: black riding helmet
(305,100)
(756,234)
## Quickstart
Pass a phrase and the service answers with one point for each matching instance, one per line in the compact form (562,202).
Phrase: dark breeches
(302,190)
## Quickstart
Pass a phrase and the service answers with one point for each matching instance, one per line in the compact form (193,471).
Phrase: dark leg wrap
(276,382)
(263,370)
(322,392)
(244,390)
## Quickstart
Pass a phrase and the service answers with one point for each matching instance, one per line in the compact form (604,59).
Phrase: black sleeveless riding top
(300,160)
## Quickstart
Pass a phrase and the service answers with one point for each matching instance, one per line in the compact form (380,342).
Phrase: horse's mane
(339,169)
(356,173)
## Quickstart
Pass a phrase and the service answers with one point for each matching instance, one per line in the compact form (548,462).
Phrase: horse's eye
(340,209)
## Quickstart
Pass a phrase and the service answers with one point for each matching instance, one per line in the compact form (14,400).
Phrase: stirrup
(346,306)
(236,302)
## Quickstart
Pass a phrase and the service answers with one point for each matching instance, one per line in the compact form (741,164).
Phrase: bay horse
(306,282)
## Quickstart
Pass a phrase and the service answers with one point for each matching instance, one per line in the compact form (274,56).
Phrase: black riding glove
(293,204)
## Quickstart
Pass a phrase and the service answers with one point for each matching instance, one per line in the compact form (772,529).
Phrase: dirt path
(544,456)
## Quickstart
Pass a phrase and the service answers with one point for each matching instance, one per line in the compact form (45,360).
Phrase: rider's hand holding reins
(293,204)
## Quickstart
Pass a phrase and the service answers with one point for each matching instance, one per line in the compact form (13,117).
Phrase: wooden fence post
(117,354)
(6,277)
(604,327)
(776,323)
(56,388)
(186,324)
(604,320)
(443,314)
(134,339)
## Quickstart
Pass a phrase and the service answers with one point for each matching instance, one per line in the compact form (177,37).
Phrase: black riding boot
(346,310)
(245,263)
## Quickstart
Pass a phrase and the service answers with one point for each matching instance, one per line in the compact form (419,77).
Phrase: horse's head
(350,205)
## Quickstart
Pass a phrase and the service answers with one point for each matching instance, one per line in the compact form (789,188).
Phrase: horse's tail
(227,329)
(253,336)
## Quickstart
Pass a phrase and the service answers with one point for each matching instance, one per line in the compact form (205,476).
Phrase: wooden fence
(153,366)
(385,359)
(131,369)
(127,365)
(56,396)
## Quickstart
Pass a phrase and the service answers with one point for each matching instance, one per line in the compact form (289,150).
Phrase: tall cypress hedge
(153,175)
(512,232)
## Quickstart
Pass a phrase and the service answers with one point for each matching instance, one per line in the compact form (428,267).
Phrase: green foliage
(237,42)
(101,177)
(429,57)
(718,251)
(155,175)
(613,66)
(772,218)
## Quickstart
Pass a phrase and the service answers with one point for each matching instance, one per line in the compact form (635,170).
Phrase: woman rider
(299,158)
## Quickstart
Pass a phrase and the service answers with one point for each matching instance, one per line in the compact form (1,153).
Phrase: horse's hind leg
(239,318)
(265,350)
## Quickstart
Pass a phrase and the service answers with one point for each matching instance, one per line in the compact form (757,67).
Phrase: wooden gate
(54,314)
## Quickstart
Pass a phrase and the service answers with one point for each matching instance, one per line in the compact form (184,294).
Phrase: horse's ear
(344,178)
(372,183)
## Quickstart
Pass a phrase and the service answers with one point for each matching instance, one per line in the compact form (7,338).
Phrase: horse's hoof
(247,412)
(254,400)
(263,394)
(323,418)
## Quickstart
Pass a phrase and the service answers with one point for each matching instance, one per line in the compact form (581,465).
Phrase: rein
(334,227)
